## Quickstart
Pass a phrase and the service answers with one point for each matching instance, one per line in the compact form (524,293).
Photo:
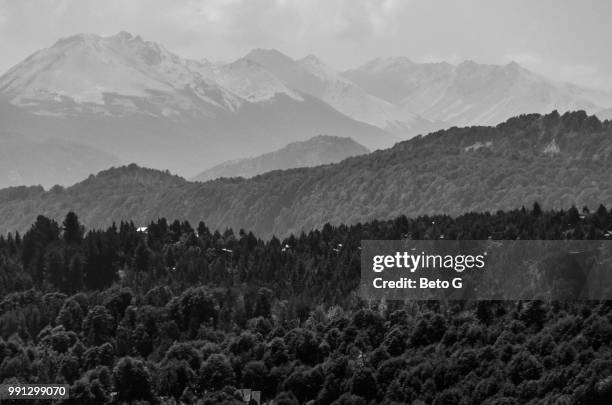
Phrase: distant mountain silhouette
(138,101)
(320,150)
(471,93)
(47,161)
(312,76)
(133,99)
(556,160)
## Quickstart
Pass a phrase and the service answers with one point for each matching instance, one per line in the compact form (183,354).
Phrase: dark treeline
(175,313)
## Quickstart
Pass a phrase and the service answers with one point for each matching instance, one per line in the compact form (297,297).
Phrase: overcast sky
(563,39)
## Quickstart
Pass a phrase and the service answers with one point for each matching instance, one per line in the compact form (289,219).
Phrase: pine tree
(73,230)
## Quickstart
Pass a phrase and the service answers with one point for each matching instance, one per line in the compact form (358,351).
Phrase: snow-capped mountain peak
(92,70)
(142,103)
(124,74)
(270,59)
(469,93)
(251,81)
(318,68)
(313,76)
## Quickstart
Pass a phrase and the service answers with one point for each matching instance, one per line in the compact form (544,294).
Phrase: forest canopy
(176,313)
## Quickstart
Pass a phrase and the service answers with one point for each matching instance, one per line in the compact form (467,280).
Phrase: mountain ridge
(137,101)
(311,75)
(556,160)
(142,103)
(470,93)
(319,150)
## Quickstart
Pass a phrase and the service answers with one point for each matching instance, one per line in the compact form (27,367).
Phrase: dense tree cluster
(557,160)
(176,314)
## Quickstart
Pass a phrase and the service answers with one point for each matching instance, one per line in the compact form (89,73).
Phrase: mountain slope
(312,76)
(135,100)
(138,101)
(320,150)
(249,80)
(189,145)
(555,160)
(103,74)
(470,93)
(48,161)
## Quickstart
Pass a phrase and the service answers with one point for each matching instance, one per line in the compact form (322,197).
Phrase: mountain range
(320,150)
(470,93)
(134,100)
(556,160)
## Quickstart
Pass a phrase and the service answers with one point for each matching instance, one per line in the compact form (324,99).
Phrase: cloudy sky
(564,39)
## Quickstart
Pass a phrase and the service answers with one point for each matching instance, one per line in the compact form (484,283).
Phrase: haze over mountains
(140,102)
(312,76)
(605,114)
(320,150)
(556,160)
(47,160)
(470,93)
(125,97)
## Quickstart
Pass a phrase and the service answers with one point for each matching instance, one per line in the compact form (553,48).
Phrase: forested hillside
(558,160)
(175,313)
